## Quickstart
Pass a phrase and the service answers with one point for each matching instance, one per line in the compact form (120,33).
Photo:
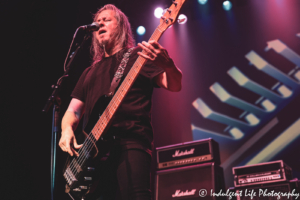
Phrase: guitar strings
(98,130)
(91,140)
(111,110)
(88,144)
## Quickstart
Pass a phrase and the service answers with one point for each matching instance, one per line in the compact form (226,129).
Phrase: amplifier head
(261,173)
(200,151)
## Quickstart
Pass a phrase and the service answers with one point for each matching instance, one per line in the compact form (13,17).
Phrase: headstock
(171,15)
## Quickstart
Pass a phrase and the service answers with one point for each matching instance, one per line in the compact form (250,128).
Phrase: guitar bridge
(70,177)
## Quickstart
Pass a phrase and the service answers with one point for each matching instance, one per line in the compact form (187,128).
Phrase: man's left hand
(170,79)
(156,53)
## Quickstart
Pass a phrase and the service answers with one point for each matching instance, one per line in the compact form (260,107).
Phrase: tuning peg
(169,10)
(172,19)
(175,3)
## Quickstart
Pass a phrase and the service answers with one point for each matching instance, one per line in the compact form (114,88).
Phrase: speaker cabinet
(191,182)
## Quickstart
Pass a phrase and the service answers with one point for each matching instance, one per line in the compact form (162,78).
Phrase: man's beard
(103,43)
(111,41)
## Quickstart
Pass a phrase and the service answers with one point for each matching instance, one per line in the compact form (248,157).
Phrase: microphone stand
(54,100)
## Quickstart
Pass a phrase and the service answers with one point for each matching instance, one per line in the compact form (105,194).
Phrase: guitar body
(80,171)
(86,176)
(82,188)
(87,180)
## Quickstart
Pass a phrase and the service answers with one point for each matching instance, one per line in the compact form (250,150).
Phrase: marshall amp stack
(187,153)
(186,168)
(258,181)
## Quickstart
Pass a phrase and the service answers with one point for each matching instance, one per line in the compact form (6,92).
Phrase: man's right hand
(68,142)
(69,123)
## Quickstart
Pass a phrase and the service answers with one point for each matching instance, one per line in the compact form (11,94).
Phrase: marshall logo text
(179,193)
(179,153)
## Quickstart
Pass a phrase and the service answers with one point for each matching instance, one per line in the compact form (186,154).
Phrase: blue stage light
(227,5)
(141,30)
(202,2)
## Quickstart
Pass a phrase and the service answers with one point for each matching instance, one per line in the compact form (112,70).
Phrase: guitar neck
(122,91)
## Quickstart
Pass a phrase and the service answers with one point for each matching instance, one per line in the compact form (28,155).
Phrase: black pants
(125,175)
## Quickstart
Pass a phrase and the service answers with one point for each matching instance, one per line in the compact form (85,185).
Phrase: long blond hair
(124,35)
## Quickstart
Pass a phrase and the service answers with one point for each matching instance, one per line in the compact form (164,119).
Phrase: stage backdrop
(241,82)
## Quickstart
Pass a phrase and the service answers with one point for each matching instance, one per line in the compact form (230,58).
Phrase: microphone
(90,27)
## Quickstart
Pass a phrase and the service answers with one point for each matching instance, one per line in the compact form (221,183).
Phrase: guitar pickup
(91,169)
(88,178)
(83,187)
(77,190)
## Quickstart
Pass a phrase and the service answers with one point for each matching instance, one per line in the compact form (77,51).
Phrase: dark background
(36,37)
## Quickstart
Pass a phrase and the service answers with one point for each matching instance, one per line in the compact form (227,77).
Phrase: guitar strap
(119,73)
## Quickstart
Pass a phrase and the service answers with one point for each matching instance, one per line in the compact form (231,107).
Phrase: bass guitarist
(125,174)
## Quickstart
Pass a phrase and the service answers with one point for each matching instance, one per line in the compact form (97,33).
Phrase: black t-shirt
(132,120)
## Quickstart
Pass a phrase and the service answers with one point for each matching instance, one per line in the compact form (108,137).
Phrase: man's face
(108,27)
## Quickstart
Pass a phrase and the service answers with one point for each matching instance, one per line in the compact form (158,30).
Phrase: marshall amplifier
(190,182)
(194,152)
(261,173)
